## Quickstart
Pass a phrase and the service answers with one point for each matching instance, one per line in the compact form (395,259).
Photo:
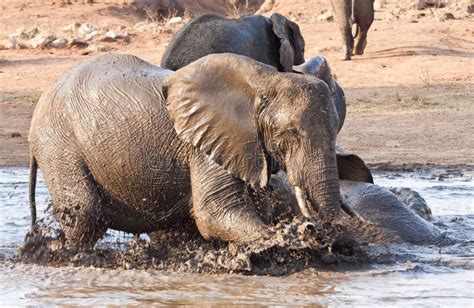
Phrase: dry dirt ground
(410,96)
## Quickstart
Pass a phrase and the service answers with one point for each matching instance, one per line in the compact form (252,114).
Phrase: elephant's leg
(347,41)
(76,203)
(365,16)
(222,207)
(361,42)
(343,11)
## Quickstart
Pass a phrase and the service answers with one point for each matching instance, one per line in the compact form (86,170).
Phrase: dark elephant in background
(349,12)
(275,41)
(126,145)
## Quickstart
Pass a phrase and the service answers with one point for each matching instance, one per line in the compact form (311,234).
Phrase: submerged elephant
(399,212)
(126,145)
(349,12)
(275,41)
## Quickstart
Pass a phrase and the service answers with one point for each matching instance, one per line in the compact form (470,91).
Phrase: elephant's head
(291,41)
(252,120)
(319,67)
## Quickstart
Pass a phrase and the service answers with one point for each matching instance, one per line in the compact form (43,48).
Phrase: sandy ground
(410,97)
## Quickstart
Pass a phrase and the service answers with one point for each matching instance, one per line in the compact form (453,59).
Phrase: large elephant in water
(126,145)
(275,41)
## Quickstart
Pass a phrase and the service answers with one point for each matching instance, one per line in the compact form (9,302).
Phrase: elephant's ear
(213,106)
(351,167)
(291,41)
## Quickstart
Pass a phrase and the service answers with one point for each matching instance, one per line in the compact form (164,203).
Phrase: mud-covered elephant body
(275,41)
(127,145)
(349,12)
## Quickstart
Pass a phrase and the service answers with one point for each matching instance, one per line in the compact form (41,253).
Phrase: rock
(19,34)
(95,48)
(85,29)
(423,4)
(59,43)
(110,36)
(22,45)
(98,48)
(15,135)
(42,40)
(448,16)
(174,20)
(32,33)
(91,35)
(77,42)
(71,28)
(325,16)
(7,44)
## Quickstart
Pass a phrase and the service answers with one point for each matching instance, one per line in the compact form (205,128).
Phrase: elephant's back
(249,36)
(109,111)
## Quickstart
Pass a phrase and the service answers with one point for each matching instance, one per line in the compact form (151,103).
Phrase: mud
(295,245)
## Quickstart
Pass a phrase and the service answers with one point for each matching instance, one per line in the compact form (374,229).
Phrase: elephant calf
(126,145)
(398,212)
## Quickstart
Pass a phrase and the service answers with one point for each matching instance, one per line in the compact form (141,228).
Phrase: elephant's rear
(98,136)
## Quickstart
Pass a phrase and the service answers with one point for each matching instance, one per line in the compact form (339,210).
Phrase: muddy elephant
(275,41)
(349,12)
(126,145)
(319,67)
(400,213)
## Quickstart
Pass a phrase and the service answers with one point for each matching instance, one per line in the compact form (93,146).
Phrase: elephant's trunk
(323,189)
(317,187)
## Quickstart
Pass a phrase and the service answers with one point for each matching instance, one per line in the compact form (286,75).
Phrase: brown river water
(413,275)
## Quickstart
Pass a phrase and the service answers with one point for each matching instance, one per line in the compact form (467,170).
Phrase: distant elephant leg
(76,203)
(361,41)
(343,9)
(222,207)
(347,41)
(364,12)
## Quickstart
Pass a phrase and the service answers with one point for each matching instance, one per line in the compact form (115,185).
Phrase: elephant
(275,41)
(127,145)
(319,67)
(400,213)
(349,12)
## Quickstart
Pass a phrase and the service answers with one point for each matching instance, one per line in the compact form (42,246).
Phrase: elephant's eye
(287,137)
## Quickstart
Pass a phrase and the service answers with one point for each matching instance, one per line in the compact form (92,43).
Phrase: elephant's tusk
(301,199)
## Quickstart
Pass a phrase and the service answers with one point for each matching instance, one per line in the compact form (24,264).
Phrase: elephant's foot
(360,47)
(346,57)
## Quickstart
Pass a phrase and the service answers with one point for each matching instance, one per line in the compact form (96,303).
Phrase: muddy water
(404,274)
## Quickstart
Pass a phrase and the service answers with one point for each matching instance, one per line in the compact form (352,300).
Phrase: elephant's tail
(33,172)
